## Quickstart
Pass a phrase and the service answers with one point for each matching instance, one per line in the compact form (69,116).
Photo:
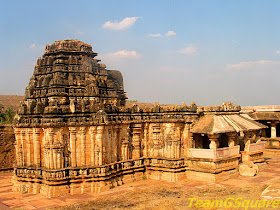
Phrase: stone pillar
(17,146)
(186,134)
(28,146)
(99,141)
(214,140)
(177,143)
(36,142)
(92,132)
(125,149)
(83,146)
(73,139)
(59,156)
(118,146)
(23,146)
(136,141)
(231,139)
(156,140)
(273,129)
(176,153)
(115,143)
(191,141)
(146,136)
(55,158)
(51,134)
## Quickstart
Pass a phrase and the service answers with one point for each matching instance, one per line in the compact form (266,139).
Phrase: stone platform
(8,199)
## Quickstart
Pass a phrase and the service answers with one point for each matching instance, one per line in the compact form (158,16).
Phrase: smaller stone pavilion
(74,133)
(270,116)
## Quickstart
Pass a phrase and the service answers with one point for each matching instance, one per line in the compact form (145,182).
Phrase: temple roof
(69,45)
(212,124)
(68,81)
(265,116)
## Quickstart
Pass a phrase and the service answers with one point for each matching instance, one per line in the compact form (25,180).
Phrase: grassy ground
(169,197)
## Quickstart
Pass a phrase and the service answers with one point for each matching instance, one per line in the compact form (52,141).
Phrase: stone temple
(75,134)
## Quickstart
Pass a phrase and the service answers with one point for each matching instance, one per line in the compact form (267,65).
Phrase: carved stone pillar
(186,135)
(146,136)
(23,146)
(37,151)
(191,141)
(125,149)
(136,141)
(28,145)
(83,146)
(214,140)
(156,139)
(231,139)
(118,147)
(58,152)
(92,132)
(115,143)
(73,139)
(17,146)
(177,143)
(51,134)
(99,141)
(96,155)
(17,136)
(273,129)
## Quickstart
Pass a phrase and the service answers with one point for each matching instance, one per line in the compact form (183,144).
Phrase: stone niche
(74,133)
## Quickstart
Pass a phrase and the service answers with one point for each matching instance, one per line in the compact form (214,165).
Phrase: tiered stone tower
(68,91)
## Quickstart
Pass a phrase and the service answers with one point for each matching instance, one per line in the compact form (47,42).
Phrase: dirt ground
(170,197)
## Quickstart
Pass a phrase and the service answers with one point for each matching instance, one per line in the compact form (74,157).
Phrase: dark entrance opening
(206,142)
(267,130)
(278,130)
(223,140)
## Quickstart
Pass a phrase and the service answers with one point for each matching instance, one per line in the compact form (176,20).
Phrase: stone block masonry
(74,133)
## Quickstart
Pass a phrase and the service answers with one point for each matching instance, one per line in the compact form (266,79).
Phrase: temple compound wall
(74,133)
(7,149)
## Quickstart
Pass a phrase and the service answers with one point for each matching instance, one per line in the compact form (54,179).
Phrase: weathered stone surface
(7,149)
(74,133)
(248,169)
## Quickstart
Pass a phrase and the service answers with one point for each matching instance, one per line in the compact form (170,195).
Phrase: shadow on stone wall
(7,149)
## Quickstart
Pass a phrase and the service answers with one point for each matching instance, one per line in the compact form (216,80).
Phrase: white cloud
(154,35)
(277,52)
(126,54)
(189,51)
(122,54)
(32,46)
(122,25)
(263,65)
(174,69)
(170,33)
(35,46)
(79,33)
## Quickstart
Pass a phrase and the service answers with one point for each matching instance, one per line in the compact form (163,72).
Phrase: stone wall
(7,149)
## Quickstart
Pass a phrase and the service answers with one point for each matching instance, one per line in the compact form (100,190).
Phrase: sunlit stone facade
(74,133)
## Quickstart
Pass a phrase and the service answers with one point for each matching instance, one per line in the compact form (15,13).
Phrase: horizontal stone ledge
(213,160)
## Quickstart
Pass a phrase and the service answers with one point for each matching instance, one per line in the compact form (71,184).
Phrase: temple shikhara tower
(75,134)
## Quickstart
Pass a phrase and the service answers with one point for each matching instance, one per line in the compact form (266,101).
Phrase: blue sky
(168,51)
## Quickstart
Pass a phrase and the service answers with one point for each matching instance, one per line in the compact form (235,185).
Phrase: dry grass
(168,197)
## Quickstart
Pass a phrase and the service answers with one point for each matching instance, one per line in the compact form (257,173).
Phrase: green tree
(9,115)
(2,115)
(6,116)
